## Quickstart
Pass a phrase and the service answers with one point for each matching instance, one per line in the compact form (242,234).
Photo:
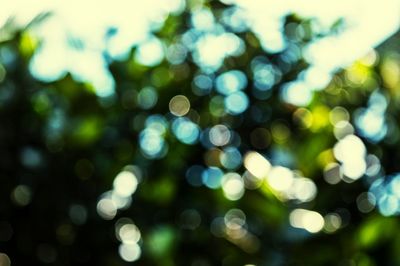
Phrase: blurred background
(200,132)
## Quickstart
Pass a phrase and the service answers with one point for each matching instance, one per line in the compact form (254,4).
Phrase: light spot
(130,252)
(333,222)
(366,202)
(235,219)
(297,93)
(231,158)
(190,219)
(185,130)
(194,175)
(78,214)
(257,164)
(22,195)
(303,189)
(219,135)
(333,173)
(152,143)
(230,82)
(232,186)
(212,177)
(147,98)
(280,178)
(150,53)
(236,103)
(106,209)
(342,129)
(311,221)
(351,152)
(202,19)
(338,114)
(129,233)
(125,184)
(179,105)
(211,49)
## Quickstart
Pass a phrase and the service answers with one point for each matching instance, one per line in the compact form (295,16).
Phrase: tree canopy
(203,143)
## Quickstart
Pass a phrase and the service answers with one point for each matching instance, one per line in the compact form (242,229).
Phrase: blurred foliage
(62,146)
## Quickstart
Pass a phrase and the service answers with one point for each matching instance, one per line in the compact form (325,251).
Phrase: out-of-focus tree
(202,145)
